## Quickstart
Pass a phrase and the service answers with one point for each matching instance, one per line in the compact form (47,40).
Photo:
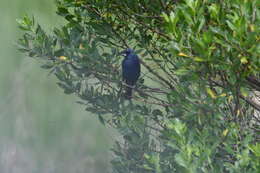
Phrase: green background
(41,128)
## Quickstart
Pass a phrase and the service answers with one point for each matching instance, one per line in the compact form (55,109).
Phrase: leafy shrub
(194,108)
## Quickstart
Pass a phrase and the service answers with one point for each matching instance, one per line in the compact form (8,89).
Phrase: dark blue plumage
(130,70)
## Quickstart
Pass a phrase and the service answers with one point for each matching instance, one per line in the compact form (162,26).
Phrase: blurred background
(42,130)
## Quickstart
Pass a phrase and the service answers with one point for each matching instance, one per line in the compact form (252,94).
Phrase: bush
(195,106)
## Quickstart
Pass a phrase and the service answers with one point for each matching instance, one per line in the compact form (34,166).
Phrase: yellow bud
(238,112)
(224,133)
(211,93)
(81,46)
(230,98)
(63,58)
(182,54)
(223,95)
(243,60)
(252,27)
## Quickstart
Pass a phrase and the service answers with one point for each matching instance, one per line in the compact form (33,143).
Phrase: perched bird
(130,70)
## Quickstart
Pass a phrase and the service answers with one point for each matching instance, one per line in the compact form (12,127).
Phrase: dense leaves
(195,107)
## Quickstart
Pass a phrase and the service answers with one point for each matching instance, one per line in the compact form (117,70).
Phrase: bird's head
(127,51)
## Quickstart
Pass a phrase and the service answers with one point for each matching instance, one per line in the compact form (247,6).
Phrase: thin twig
(97,13)
(249,101)
(157,75)
(145,25)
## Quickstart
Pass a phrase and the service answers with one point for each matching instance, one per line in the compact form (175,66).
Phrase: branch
(154,103)
(157,75)
(97,13)
(251,102)
(143,24)
(155,47)
(163,102)
(162,68)
(254,82)
(162,4)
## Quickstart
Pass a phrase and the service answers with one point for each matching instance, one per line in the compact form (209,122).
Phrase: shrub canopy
(195,106)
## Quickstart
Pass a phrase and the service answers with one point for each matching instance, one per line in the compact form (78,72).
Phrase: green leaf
(255,149)
(230,25)
(182,71)
(101,119)
(180,160)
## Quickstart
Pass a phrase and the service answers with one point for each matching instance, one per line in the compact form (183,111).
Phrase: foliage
(194,108)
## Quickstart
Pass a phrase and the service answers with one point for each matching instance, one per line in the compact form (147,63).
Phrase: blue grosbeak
(130,70)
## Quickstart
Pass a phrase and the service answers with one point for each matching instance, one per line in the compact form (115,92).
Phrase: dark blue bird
(130,70)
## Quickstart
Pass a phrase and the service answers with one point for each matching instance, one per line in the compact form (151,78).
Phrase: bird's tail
(128,93)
